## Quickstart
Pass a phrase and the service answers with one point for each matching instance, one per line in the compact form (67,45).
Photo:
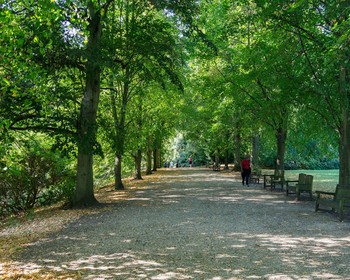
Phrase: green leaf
(296,5)
(7,82)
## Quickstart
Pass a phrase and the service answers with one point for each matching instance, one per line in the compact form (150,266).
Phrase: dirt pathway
(197,224)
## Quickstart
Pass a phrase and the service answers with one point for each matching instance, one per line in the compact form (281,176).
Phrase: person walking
(190,161)
(246,170)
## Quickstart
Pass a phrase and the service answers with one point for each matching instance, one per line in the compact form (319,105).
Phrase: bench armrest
(292,181)
(323,192)
(319,193)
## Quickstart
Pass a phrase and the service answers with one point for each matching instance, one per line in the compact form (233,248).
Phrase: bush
(312,164)
(34,179)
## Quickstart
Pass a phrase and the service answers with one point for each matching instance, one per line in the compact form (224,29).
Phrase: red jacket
(245,164)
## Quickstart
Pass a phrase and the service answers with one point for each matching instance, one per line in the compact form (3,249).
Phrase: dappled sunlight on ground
(195,224)
(238,256)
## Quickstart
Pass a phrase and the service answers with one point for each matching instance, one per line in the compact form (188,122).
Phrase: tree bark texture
(155,159)
(255,151)
(217,157)
(226,159)
(84,194)
(344,137)
(237,145)
(149,161)
(119,126)
(138,160)
(281,137)
(118,183)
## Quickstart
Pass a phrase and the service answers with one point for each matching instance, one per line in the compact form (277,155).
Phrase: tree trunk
(237,145)
(149,161)
(281,136)
(119,126)
(155,157)
(255,151)
(217,158)
(138,160)
(159,159)
(344,152)
(344,133)
(118,183)
(226,159)
(84,193)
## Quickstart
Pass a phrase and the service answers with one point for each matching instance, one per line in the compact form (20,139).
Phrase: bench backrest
(342,192)
(301,178)
(305,183)
(256,172)
(309,179)
(277,173)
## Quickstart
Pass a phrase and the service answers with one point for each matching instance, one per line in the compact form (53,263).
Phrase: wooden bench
(337,201)
(255,177)
(266,180)
(302,185)
(273,180)
(213,165)
(216,166)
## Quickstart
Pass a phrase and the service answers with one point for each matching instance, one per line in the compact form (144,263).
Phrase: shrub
(34,179)
(312,164)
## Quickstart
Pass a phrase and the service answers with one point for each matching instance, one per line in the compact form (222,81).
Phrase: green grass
(324,180)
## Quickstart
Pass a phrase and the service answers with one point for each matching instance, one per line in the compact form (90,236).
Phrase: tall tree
(142,41)
(87,124)
(66,37)
(323,33)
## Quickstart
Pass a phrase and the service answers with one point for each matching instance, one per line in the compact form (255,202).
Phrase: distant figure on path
(190,161)
(246,170)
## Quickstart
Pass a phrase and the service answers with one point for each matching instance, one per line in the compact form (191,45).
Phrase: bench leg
(317,206)
(341,211)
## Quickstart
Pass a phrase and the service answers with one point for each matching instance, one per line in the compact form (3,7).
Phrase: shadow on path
(198,224)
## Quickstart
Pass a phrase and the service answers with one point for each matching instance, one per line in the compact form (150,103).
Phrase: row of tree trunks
(149,167)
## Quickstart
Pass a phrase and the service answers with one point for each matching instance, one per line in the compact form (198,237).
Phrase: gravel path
(199,224)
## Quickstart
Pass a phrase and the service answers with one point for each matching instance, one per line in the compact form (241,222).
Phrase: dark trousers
(245,176)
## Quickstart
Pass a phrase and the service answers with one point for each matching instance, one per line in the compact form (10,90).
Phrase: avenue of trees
(92,89)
